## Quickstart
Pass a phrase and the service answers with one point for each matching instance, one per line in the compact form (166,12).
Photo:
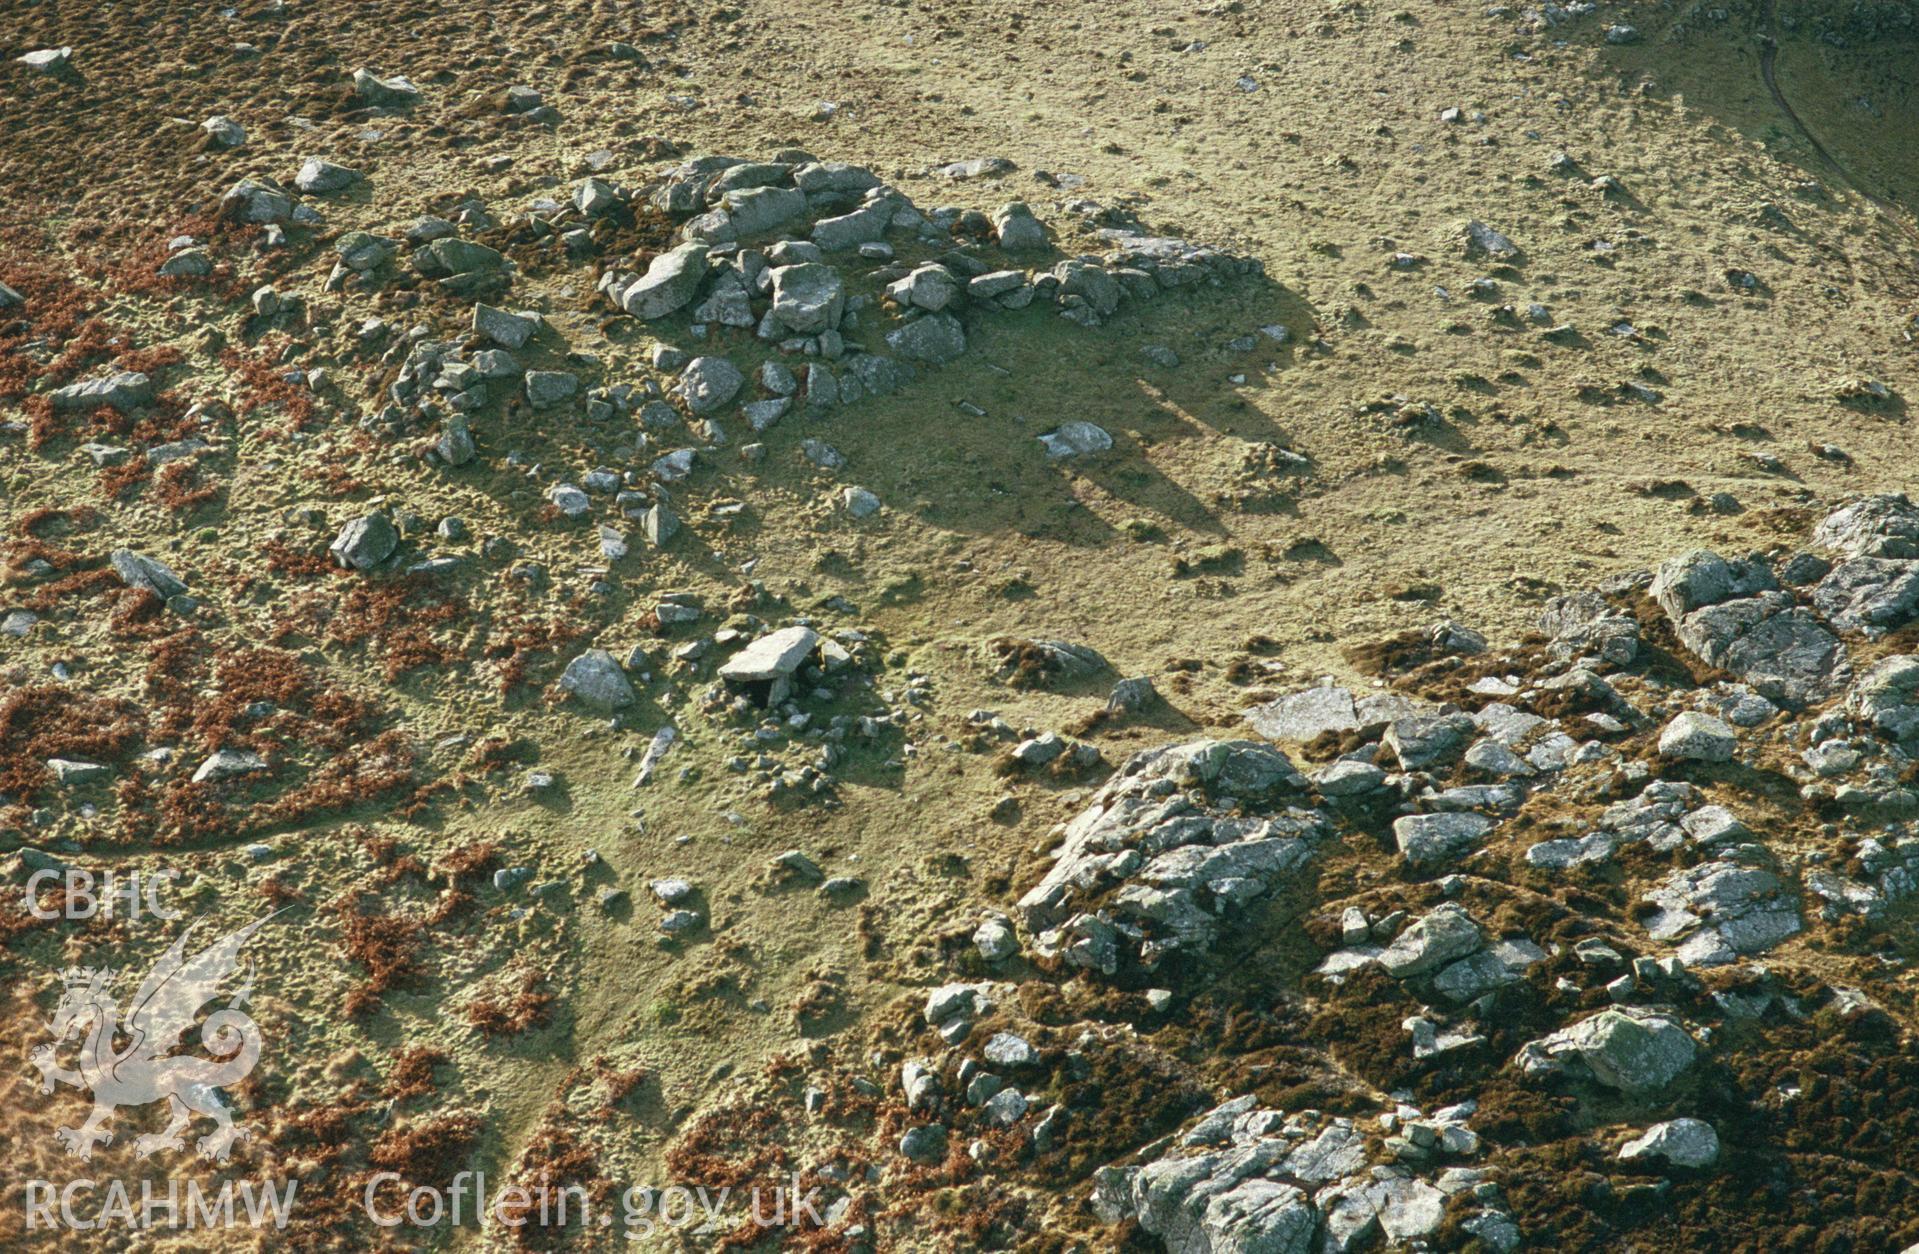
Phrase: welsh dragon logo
(146,1070)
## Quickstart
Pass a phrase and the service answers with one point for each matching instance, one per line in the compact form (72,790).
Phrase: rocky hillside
(1233,628)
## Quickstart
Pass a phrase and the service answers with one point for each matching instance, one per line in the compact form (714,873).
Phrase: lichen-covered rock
(596,679)
(1633,1050)
(671,281)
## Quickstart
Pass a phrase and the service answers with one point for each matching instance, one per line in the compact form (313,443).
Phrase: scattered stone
(224,132)
(547,388)
(125,391)
(391,92)
(1482,242)
(136,570)
(808,298)
(48,60)
(996,940)
(1689,1143)
(1428,839)
(1075,439)
(671,281)
(508,330)
(708,383)
(365,542)
(317,177)
(1635,1051)
(227,763)
(978,168)
(1696,737)
(935,338)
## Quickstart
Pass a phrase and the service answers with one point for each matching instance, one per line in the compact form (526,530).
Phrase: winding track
(1768,58)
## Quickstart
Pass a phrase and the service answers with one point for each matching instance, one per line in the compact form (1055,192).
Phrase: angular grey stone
(508,330)
(935,338)
(995,940)
(1348,778)
(762,415)
(362,252)
(394,91)
(1338,1150)
(455,445)
(1432,941)
(776,655)
(876,373)
(821,177)
(1723,910)
(1878,526)
(930,287)
(978,167)
(1869,594)
(227,763)
(865,225)
(822,454)
(188,263)
(1008,1049)
(728,305)
(1006,1107)
(74,774)
(1409,1208)
(125,390)
(256,202)
(1090,282)
(597,680)
(1217,1202)
(1887,696)
(859,503)
(318,176)
(659,525)
(1075,439)
(1490,757)
(1305,715)
(1696,737)
(1484,242)
(522,99)
(1430,838)
(1130,696)
(675,466)
(1017,228)
(756,210)
(593,197)
(451,256)
(708,383)
(224,132)
(671,281)
(136,570)
(1779,648)
(569,500)
(808,298)
(48,60)
(925,1143)
(1425,741)
(1634,1051)
(365,542)
(950,1000)
(547,388)
(1701,578)
(1690,1143)
(777,379)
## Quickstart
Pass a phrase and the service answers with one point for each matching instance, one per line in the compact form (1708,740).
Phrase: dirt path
(1768,63)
